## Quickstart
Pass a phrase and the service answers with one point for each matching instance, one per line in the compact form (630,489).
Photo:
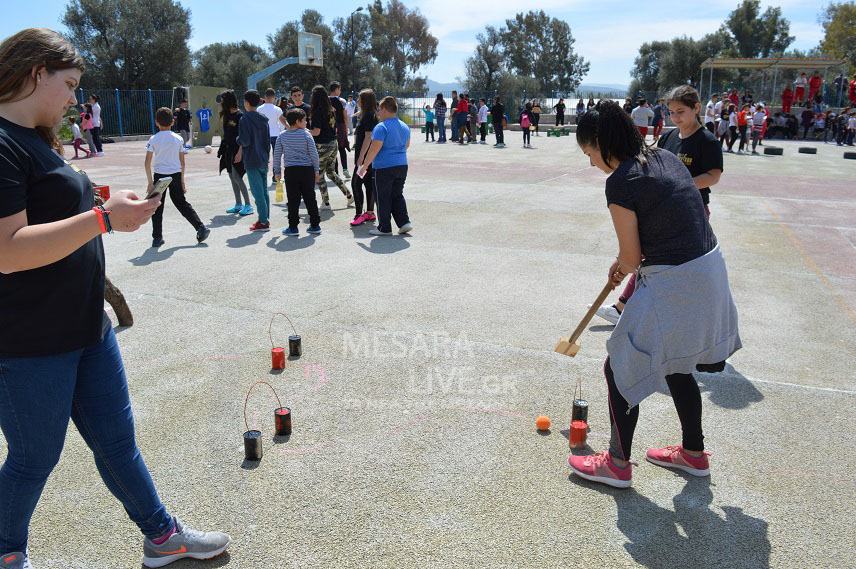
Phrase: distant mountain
(604,88)
(435,87)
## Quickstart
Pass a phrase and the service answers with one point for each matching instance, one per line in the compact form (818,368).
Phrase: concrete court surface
(427,358)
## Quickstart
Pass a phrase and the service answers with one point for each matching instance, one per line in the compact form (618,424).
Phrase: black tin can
(295,349)
(579,411)
(253,445)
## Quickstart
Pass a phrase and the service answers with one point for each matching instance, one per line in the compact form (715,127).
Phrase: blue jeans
(257,177)
(441,129)
(37,397)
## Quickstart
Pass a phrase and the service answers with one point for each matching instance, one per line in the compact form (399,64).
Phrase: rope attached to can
(270,328)
(247,399)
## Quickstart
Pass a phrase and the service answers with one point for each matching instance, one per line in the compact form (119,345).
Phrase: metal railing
(128,113)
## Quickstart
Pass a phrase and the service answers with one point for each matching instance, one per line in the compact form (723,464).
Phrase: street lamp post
(354,52)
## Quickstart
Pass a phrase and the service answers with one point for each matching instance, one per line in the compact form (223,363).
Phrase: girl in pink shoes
(681,314)
(362,141)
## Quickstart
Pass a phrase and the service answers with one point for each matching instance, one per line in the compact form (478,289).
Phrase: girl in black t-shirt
(323,128)
(659,220)
(59,359)
(230,159)
(362,141)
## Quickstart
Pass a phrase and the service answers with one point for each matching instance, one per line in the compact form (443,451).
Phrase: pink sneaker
(370,216)
(674,456)
(600,468)
(359,220)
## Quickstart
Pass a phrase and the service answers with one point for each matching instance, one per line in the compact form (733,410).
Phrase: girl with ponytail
(682,317)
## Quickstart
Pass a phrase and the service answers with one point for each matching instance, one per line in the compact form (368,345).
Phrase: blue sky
(608,33)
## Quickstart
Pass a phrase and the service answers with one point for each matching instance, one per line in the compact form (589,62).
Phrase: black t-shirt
(327,124)
(560,109)
(673,226)
(700,153)
(182,119)
(60,307)
(230,129)
(338,109)
(365,127)
(497,113)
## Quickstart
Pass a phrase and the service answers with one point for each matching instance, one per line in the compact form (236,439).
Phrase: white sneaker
(379,232)
(325,206)
(99,154)
(347,174)
(406,228)
(609,313)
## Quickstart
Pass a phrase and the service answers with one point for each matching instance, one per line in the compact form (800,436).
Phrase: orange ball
(542,423)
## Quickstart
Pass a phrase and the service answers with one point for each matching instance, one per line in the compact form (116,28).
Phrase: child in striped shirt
(302,171)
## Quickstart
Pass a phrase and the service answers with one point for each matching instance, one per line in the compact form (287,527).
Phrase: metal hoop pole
(247,399)
(270,328)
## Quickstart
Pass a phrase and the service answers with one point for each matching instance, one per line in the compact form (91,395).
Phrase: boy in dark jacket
(254,138)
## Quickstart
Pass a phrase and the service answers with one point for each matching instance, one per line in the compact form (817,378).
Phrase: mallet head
(568,348)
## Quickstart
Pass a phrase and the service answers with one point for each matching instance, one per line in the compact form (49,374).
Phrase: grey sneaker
(185,542)
(609,313)
(406,228)
(15,560)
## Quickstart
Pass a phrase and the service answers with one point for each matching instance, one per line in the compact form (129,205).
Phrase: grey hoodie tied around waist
(678,317)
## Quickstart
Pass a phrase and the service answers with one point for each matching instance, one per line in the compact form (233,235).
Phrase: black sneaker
(157,243)
(202,234)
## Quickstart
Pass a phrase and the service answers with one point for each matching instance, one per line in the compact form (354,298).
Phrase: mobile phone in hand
(159,187)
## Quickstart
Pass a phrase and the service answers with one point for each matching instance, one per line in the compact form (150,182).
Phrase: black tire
(850,155)
(808,150)
(774,150)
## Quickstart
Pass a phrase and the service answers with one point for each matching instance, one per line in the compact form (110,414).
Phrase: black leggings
(527,136)
(687,398)
(357,184)
(497,130)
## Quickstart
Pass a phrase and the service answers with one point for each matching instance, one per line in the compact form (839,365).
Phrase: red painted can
(577,437)
(282,421)
(277,356)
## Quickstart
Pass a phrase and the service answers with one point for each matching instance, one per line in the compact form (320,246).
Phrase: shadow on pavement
(220,561)
(692,535)
(385,245)
(250,464)
(245,240)
(291,243)
(153,255)
(729,389)
(223,221)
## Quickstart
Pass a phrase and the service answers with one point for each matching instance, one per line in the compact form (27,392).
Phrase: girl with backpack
(527,123)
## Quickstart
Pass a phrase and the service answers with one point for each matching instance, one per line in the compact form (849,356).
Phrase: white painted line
(787,384)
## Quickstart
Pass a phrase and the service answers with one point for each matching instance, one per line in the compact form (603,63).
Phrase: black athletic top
(60,307)
(700,153)
(673,226)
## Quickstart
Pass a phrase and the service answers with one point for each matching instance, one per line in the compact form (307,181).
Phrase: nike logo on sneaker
(182,549)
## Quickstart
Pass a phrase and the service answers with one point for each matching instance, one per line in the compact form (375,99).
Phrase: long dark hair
(320,101)
(609,128)
(34,47)
(368,102)
(439,100)
(228,101)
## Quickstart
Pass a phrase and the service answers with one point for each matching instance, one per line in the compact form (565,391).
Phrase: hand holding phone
(158,188)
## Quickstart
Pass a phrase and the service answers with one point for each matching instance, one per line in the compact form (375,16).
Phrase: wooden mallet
(569,346)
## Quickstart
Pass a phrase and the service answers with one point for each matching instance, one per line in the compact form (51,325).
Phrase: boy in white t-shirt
(710,114)
(276,122)
(165,157)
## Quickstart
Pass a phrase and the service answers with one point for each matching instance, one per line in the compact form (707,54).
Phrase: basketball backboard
(309,50)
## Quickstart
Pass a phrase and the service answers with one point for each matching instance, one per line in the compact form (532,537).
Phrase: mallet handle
(591,312)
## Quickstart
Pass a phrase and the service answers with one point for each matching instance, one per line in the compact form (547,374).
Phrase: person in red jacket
(787,99)
(814,85)
(461,114)
(852,93)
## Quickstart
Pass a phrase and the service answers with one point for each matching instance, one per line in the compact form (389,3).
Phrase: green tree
(646,66)
(839,27)
(542,47)
(485,67)
(754,34)
(352,51)
(131,44)
(400,38)
(228,64)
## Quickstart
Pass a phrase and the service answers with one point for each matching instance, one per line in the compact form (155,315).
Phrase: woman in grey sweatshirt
(682,313)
